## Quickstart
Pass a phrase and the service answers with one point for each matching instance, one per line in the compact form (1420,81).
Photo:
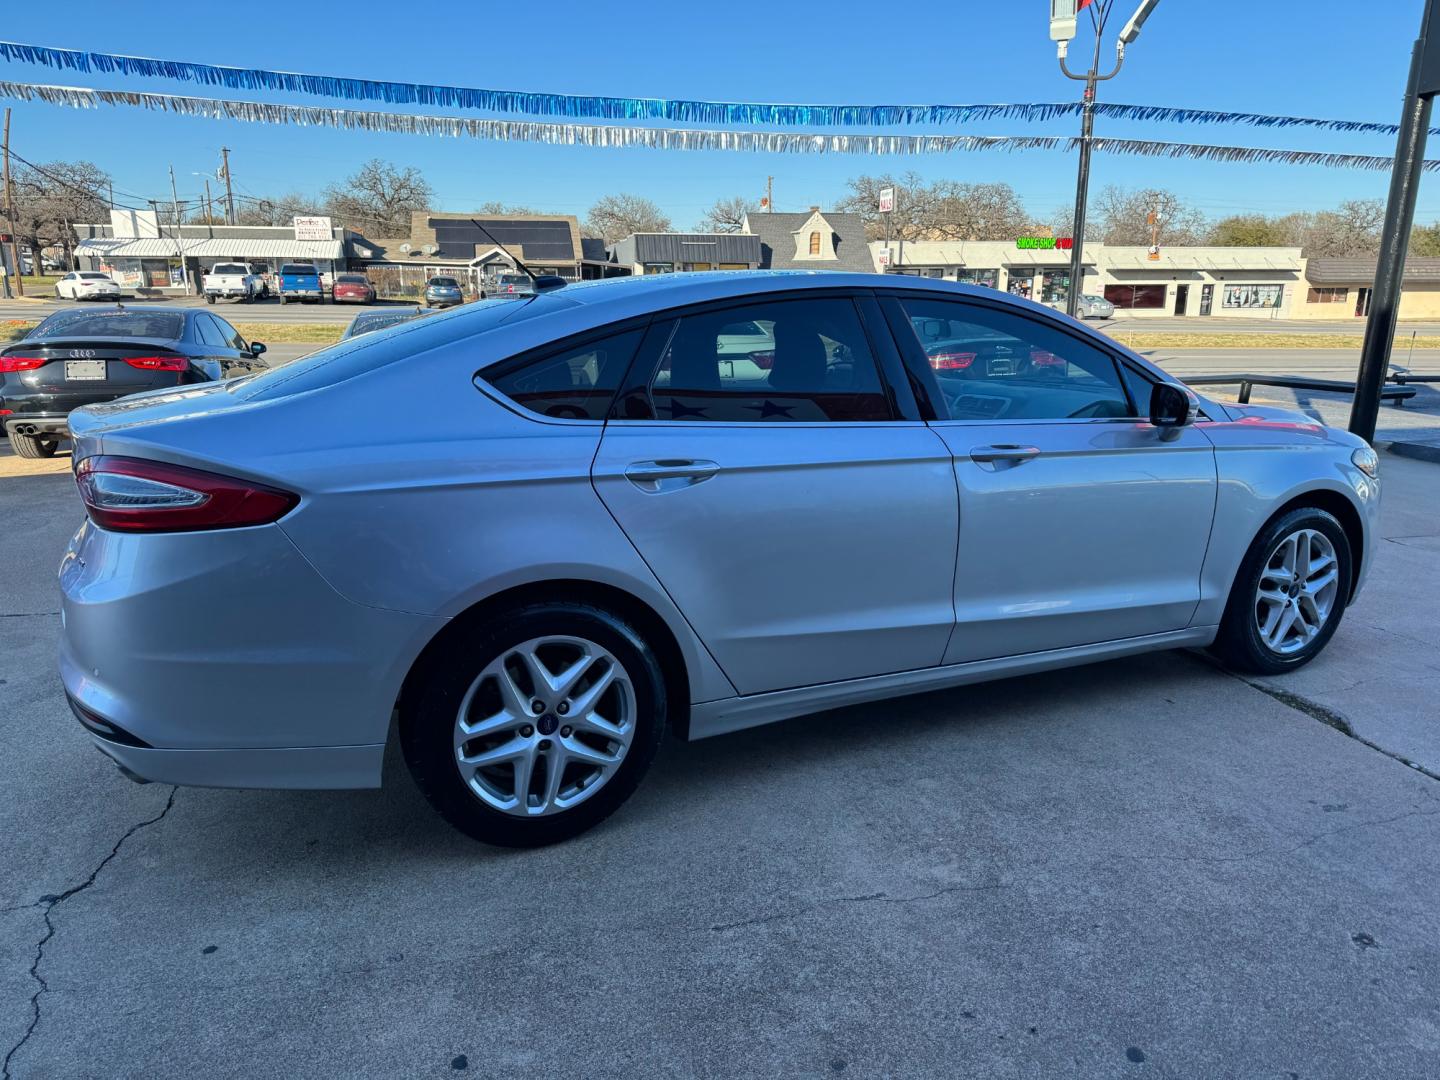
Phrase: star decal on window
(767,409)
(678,411)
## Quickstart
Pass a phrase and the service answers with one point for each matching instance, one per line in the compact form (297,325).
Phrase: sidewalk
(1380,677)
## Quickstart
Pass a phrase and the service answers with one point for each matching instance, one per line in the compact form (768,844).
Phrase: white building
(1246,282)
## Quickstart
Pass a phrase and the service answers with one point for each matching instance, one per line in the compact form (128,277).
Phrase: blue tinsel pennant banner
(617,136)
(673,110)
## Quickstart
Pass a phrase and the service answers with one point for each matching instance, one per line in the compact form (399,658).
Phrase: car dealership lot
(1145,865)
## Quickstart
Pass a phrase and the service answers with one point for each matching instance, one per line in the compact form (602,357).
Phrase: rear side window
(575,384)
(781,360)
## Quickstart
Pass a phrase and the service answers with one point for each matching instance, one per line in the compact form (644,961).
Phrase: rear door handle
(669,474)
(1008,453)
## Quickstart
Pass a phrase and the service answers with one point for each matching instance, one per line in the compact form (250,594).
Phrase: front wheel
(534,725)
(1289,595)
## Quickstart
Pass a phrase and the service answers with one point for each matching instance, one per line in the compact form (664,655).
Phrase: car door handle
(669,474)
(1011,453)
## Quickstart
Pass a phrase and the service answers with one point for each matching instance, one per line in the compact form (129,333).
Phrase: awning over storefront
(152,248)
(1240,262)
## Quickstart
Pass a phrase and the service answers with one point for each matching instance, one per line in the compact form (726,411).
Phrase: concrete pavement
(1146,867)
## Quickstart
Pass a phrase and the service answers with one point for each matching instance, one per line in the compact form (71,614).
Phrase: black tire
(284,299)
(209,299)
(1239,645)
(430,705)
(34,446)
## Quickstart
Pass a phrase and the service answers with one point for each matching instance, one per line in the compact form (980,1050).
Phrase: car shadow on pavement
(689,784)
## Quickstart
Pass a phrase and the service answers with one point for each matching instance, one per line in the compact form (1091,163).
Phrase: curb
(1419,451)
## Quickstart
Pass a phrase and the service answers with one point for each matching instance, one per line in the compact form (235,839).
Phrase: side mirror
(256,348)
(1172,406)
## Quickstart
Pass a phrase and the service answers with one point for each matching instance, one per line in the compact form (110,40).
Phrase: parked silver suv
(692,501)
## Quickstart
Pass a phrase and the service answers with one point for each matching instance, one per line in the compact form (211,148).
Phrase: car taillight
(134,495)
(763,360)
(21,363)
(951,361)
(159,363)
(1041,358)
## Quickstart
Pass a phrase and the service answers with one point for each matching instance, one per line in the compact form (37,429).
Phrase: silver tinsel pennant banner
(618,137)
(673,110)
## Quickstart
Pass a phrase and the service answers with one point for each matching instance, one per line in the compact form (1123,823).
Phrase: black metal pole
(1082,197)
(1394,239)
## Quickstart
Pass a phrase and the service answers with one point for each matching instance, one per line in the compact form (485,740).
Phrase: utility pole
(15,269)
(229,192)
(1420,90)
(1062,30)
(179,248)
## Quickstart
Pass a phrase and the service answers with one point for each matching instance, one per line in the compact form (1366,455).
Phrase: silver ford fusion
(694,501)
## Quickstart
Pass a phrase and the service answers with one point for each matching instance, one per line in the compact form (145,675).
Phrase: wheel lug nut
(537,706)
(562,708)
(526,731)
(544,744)
(565,732)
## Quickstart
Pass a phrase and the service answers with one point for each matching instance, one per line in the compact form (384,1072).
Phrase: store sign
(312,228)
(1044,243)
(887,200)
(883,257)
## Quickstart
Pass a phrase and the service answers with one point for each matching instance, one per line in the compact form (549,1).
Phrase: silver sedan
(588,518)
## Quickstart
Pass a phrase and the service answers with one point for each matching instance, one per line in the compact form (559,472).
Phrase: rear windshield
(93,276)
(356,355)
(352,279)
(450,281)
(230,268)
(110,323)
(297,268)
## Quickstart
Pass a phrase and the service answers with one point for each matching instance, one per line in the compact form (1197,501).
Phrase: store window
(1327,296)
(989,277)
(659,268)
(1254,296)
(734,266)
(814,243)
(1054,286)
(1136,297)
(1022,283)
(698,266)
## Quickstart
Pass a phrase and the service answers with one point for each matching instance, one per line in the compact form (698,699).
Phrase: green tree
(1250,230)
(1425,240)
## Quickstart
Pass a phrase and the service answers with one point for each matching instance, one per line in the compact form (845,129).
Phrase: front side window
(785,360)
(994,365)
(575,384)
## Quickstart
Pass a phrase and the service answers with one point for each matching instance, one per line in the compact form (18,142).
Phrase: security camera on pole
(1063,15)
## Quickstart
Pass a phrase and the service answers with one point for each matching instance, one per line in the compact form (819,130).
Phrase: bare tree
(279,209)
(1129,216)
(615,217)
(379,198)
(727,215)
(500,209)
(51,198)
(1352,228)
(943,210)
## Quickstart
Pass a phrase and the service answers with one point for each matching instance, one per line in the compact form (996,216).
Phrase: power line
(101,196)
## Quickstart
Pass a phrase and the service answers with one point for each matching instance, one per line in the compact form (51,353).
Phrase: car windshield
(230,268)
(110,323)
(445,282)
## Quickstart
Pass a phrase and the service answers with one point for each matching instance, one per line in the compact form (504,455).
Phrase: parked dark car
(443,292)
(77,358)
(367,321)
(353,289)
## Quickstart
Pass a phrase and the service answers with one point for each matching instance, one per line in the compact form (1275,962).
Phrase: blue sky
(1325,58)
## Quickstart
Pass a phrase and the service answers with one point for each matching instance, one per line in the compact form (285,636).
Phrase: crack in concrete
(879,897)
(1261,853)
(49,903)
(26,614)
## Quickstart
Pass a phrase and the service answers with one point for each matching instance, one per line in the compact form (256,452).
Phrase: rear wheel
(535,725)
(34,446)
(1289,595)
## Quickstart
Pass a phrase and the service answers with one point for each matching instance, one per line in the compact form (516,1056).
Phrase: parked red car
(353,289)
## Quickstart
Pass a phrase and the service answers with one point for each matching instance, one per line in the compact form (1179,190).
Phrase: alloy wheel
(1296,592)
(544,726)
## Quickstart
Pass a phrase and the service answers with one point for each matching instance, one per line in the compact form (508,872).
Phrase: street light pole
(1062,29)
(1420,89)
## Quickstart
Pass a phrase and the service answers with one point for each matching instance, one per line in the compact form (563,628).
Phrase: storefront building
(1210,282)
(144,256)
(1339,289)
(669,253)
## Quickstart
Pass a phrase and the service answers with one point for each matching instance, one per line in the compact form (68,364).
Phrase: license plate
(83,370)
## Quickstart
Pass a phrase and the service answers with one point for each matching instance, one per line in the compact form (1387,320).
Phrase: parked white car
(87,285)
(232,281)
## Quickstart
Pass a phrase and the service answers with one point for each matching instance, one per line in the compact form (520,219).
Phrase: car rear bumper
(38,425)
(223,659)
